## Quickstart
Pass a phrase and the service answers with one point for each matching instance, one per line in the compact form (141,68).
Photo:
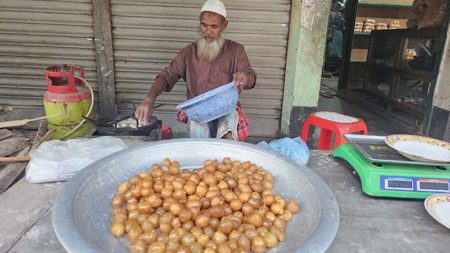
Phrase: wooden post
(101,12)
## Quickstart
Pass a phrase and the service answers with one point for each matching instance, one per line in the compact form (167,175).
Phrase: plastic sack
(295,149)
(59,160)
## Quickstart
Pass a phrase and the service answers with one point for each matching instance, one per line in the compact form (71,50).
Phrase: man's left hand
(240,80)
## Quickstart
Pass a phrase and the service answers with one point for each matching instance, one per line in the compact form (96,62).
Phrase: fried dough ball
(117,229)
(292,206)
(222,207)
(157,247)
(123,187)
(138,246)
(202,221)
(258,244)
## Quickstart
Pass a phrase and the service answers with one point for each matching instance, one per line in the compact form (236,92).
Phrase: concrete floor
(353,103)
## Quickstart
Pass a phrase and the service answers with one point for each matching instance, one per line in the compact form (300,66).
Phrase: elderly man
(206,64)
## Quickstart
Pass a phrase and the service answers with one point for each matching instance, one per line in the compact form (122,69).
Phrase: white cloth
(223,125)
(215,6)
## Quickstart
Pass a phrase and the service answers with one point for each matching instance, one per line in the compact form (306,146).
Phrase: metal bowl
(82,210)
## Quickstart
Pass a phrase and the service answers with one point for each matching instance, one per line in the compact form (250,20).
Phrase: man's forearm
(145,109)
(157,88)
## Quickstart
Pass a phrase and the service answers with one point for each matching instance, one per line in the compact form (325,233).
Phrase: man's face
(212,25)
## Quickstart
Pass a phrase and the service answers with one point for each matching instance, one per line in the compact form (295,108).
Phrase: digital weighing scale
(386,173)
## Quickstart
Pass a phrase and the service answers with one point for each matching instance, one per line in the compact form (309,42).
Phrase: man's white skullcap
(215,6)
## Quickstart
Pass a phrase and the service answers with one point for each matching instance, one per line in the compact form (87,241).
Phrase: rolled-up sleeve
(175,70)
(244,66)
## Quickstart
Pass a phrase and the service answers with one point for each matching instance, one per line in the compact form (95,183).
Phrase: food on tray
(369,25)
(394,24)
(127,123)
(381,26)
(225,206)
(359,26)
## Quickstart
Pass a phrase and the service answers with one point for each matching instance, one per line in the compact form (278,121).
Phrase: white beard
(209,50)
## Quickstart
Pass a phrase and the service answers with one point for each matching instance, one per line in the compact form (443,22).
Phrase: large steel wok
(82,210)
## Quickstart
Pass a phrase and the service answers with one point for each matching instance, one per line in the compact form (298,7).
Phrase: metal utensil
(82,210)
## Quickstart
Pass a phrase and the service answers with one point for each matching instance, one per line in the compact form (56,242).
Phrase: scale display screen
(413,184)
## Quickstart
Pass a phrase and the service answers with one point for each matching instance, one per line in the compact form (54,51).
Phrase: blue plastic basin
(212,104)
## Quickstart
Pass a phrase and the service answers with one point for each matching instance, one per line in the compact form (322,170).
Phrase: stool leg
(338,140)
(305,129)
(365,131)
(304,134)
(324,139)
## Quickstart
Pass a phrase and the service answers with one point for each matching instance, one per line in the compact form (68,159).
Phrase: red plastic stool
(332,122)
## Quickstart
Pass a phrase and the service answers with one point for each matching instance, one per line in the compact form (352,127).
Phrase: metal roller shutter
(148,34)
(35,35)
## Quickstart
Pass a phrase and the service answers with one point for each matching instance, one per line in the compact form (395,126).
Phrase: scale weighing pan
(375,149)
(390,178)
(420,148)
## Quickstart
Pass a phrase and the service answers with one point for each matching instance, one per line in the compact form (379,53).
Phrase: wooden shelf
(416,74)
(384,4)
(378,94)
(361,34)
(404,72)
(401,73)
(382,11)
(359,54)
(412,109)
(380,67)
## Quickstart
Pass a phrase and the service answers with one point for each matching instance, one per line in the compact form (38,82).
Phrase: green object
(395,180)
(385,4)
(70,114)
(362,33)
(336,46)
(179,134)
(304,60)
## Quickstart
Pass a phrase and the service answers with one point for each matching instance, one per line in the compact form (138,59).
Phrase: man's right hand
(144,111)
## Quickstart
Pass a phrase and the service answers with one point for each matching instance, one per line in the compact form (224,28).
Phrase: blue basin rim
(205,95)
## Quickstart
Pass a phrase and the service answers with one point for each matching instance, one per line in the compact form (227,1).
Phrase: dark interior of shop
(381,62)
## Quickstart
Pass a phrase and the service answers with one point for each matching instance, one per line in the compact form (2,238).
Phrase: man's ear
(225,24)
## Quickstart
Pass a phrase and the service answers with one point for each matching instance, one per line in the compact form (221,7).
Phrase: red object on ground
(167,132)
(330,125)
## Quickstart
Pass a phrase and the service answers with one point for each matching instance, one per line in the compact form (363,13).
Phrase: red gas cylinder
(66,101)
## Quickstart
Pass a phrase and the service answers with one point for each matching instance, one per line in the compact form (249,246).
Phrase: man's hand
(144,110)
(240,80)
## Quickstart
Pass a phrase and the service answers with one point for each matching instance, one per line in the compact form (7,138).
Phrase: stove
(151,132)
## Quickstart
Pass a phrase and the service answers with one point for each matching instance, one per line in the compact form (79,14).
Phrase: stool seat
(332,122)
(336,117)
